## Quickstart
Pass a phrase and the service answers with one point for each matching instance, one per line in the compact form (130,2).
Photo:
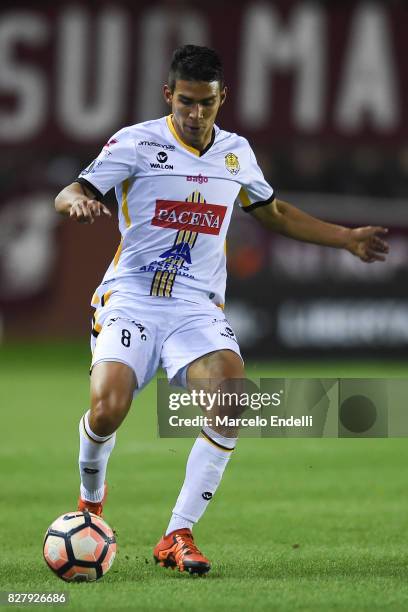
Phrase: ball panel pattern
(79,547)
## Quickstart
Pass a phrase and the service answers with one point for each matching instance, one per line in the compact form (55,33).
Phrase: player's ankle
(178,522)
(95,496)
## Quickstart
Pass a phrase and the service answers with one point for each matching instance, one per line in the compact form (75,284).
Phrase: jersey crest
(232,163)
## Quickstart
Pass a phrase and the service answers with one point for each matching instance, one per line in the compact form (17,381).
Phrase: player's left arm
(367,243)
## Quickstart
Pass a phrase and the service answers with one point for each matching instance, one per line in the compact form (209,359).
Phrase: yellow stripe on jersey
(95,299)
(117,254)
(163,281)
(160,286)
(154,288)
(180,236)
(172,129)
(244,197)
(169,286)
(125,210)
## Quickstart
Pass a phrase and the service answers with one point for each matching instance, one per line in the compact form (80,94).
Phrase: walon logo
(206,495)
(161,157)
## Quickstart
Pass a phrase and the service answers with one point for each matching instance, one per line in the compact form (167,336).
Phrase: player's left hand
(367,243)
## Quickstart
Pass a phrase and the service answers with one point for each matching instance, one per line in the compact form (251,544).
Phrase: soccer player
(176,180)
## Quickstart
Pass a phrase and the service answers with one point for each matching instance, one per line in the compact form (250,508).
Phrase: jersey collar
(183,144)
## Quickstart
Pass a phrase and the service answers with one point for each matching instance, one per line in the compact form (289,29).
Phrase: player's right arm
(82,199)
(78,201)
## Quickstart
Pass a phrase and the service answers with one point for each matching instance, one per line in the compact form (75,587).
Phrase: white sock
(205,466)
(94,452)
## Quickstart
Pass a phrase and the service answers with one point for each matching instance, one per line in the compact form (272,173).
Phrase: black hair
(193,63)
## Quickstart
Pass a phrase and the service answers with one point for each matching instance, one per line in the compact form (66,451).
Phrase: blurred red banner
(72,74)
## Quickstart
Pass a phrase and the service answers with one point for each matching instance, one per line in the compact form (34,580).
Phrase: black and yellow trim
(105,297)
(96,327)
(214,443)
(169,121)
(210,144)
(193,150)
(90,437)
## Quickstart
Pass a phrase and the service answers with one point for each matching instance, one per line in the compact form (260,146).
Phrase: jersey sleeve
(255,190)
(115,163)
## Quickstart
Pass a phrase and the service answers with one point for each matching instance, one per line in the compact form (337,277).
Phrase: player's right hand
(84,210)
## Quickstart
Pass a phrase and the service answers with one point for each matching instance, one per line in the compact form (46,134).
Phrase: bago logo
(201,218)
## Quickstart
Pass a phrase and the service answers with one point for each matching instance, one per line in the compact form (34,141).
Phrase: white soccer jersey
(175,205)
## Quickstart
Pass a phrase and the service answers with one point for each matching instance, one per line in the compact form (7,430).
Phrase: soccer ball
(79,547)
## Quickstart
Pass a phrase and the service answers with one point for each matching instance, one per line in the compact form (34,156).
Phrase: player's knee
(217,367)
(228,366)
(112,386)
(108,411)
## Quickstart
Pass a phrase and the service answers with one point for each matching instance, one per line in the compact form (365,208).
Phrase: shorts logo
(201,218)
(179,250)
(228,333)
(232,163)
(162,157)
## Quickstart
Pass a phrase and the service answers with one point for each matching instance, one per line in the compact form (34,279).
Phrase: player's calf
(112,388)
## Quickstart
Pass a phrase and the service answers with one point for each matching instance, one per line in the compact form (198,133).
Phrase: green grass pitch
(297,524)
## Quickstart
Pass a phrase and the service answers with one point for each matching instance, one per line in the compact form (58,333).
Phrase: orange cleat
(177,549)
(94,507)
